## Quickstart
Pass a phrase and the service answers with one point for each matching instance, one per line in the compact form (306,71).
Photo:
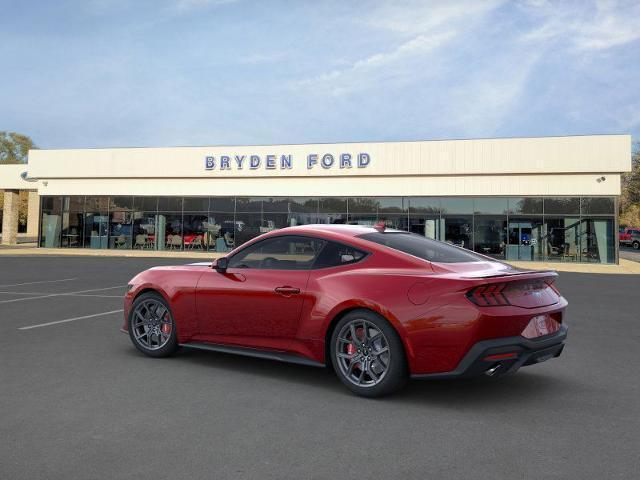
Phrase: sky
(115,73)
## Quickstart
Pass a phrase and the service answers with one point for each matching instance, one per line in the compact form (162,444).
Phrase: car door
(257,301)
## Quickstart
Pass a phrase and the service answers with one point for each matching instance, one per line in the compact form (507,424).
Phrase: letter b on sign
(209,163)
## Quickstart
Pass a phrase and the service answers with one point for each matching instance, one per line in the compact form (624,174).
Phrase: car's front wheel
(151,325)
(636,245)
(367,354)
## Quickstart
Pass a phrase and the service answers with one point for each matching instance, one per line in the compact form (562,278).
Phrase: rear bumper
(527,352)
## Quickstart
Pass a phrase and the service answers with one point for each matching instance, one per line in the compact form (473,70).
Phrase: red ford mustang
(377,305)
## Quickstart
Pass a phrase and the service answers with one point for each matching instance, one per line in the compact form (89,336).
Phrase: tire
(636,245)
(152,330)
(371,368)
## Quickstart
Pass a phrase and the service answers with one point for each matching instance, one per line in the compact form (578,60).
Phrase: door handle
(287,291)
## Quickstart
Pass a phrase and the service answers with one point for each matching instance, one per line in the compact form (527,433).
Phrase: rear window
(422,247)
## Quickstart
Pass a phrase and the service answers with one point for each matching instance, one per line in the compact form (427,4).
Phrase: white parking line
(41,281)
(71,319)
(60,294)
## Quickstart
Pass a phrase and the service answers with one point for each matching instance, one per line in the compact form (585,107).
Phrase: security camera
(601,179)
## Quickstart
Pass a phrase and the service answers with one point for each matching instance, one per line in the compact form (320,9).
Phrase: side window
(279,253)
(334,254)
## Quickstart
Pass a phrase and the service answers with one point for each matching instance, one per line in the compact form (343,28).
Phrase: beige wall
(515,166)
(581,154)
(515,185)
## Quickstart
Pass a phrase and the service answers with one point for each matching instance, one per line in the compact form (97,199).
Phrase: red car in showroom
(377,305)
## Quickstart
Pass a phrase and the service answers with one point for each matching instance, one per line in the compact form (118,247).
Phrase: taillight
(489,295)
(524,293)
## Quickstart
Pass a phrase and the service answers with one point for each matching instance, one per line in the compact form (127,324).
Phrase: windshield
(422,247)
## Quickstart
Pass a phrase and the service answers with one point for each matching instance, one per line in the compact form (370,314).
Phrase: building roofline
(343,143)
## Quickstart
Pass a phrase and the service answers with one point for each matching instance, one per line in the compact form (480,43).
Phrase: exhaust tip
(493,370)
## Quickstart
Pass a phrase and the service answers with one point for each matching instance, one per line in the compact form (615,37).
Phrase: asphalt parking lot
(78,401)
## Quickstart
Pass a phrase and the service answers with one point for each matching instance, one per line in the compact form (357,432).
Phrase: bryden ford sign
(285,162)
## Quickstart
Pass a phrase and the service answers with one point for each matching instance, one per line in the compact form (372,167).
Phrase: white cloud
(601,26)
(423,28)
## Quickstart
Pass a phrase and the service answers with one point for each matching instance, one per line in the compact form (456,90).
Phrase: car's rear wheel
(636,245)
(367,354)
(151,325)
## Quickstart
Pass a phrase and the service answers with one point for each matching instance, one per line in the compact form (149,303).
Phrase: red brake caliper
(166,328)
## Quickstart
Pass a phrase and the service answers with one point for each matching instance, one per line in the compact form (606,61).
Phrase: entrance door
(258,300)
(525,237)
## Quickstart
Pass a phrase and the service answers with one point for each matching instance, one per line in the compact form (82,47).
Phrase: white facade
(543,166)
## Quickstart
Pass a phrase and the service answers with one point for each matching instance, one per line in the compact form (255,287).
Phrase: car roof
(334,229)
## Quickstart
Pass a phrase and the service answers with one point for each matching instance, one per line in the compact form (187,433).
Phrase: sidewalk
(626,267)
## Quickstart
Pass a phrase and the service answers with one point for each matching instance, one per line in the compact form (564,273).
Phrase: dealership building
(533,199)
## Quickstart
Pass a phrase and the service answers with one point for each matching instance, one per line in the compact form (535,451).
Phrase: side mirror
(221,264)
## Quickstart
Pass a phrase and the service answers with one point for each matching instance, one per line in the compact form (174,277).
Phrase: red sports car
(377,305)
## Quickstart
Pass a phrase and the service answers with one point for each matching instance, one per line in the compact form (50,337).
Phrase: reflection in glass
(458,230)
(490,206)
(220,232)
(72,222)
(457,205)
(51,222)
(168,231)
(424,205)
(562,239)
(490,236)
(597,242)
(431,226)
(362,205)
(120,230)
(562,205)
(194,228)
(525,206)
(597,206)
(332,205)
(144,230)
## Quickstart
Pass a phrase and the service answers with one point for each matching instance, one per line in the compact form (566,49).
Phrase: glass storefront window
(490,236)
(525,239)
(533,228)
(458,230)
(144,230)
(220,228)
(195,231)
(332,205)
(490,206)
(562,239)
(246,227)
(597,206)
(248,204)
(145,204)
(275,204)
(597,240)
(51,224)
(120,203)
(391,205)
(430,205)
(525,206)
(562,205)
(120,230)
(170,204)
(362,205)
(456,205)
(72,222)
(196,204)
(168,231)
(222,204)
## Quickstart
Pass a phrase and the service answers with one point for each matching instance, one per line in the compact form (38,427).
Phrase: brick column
(33,214)
(10,217)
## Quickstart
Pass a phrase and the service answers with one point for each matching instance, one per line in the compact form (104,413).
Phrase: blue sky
(102,73)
